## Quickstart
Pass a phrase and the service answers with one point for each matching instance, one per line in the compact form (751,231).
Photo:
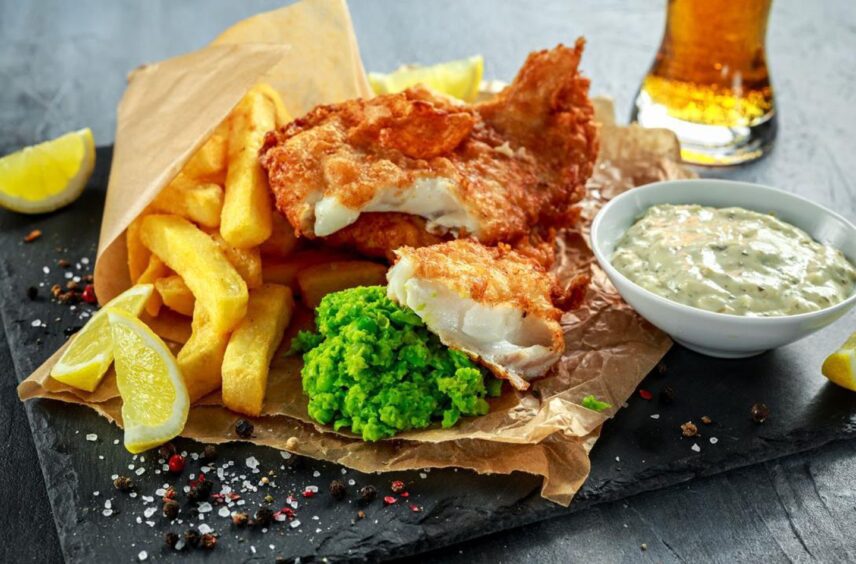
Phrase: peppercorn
(166,450)
(706,420)
(645,394)
(88,278)
(689,429)
(170,493)
(63,263)
(240,519)
(361,514)
(268,498)
(123,484)
(263,517)
(66,297)
(170,509)
(176,463)
(88,294)
(760,412)
(338,490)
(244,428)
(32,293)
(368,493)
(170,539)
(33,235)
(281,560)
(397,486)
(71,285)
(56,290)
(201,490)
(667,395)
(208,541)
(191,537)
(389,499)
(209,453)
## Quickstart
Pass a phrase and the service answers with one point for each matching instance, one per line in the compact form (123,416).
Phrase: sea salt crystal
(252,549)
(205,507)
(76,278)
(85,260)
(143,555)
(68,275)
(150,511)
(46,270)
(294,524)
(279,517)
(695,447)
(115,441)
(131,466)
(205,469)
(139,520)
(132,494)
(655,416)
(150,523)
(618,459)
(318,530)
(100,457)
(285,455)
(107,512)
(148,499)
(315,518)
(108,504)
(224,512)
(713,440)
(160,492)
(140,471)
(344,471)
(422,475)
(205,529)
(96,493)
(252,462)
(316,474)
(36,322)
(352,482)
(313,489)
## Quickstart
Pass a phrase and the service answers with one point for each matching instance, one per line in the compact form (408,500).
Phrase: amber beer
(709,82)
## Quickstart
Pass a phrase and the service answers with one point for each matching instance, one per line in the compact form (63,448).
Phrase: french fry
(247,208)
(282,240)
(175,294)
(252,346)
(208,163)
(194,256)
(285,272)
(169,325)
(200,203)
(156,269)
(317,281)
(248,262)
(282,115)
(201,356)
(138,254)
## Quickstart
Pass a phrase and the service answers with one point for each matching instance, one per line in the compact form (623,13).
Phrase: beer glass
(709,82)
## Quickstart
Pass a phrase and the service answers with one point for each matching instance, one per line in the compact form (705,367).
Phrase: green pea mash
(373,366)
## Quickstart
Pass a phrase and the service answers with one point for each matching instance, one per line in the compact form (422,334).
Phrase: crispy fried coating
(379,234)
(503,166)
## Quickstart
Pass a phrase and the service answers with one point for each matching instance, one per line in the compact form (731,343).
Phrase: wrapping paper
(308,51)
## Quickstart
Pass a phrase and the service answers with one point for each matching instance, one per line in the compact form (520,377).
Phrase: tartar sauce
(732,260)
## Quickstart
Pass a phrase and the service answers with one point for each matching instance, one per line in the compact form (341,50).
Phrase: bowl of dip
(728,269)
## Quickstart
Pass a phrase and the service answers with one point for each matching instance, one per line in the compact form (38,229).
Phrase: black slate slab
(642,449)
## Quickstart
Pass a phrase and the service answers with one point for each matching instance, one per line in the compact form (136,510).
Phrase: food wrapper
(309,53)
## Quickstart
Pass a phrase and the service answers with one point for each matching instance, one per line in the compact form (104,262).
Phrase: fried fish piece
(492,303)
(492,170)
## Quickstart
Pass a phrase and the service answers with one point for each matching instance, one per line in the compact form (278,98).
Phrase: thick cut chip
(247,208)
(248,262)
(200,203)
(317,281)
(155,270)
(194,256)
(175,294)
(208,164)
(282,240)
(201,357)
(285,272)
(169,325)
(252,346)
(138,254)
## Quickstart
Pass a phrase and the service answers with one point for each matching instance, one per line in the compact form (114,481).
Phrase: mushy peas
(732,260)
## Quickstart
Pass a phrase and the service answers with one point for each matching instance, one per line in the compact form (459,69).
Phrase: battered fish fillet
(490,302)
(492,170)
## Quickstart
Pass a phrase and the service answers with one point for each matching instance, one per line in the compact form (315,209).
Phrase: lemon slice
(48,176)
(154,397)
(89,355)
(840,366)
(460,79)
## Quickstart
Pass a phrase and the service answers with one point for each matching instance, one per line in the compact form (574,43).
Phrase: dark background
(62,66)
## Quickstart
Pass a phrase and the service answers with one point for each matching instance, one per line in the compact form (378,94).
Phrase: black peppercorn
(338,490)
(244,428)
(208,541)
(760,412)
(170,509)
(667,395)
(240,519)
(209,454)
(170,539)
(166,450)
(200,491)
(368,493)
(123,484)
(191,537)
(32,292)
(263,517)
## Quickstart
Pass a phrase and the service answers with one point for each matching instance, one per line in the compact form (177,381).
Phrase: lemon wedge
(460,78)
(48,176)
(840,366)
(154,398)
(86,360)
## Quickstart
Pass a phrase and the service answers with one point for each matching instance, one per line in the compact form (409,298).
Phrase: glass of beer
(709,82)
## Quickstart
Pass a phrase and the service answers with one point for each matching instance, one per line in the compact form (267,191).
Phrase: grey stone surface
(63,66)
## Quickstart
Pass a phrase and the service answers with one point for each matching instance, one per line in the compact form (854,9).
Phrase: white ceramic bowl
(718,334)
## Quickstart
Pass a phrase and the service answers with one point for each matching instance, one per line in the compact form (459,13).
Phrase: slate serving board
(641,449)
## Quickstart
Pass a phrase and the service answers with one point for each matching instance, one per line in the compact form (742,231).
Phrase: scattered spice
(123,484)
(706,420)
(645,394)
(361,514)
(244,428)
(268,498)
(263,517)
(191,537)
(209,454)
(170,539)
(170,493)
(389,499)
(88,294)
(200,489)
(33,235)
(338,490)
(368,493)
(166,450)
(240,519)
(32,293)
(72,285)
(308,493)
(56,290)
(176,463)
(63,263)
(667,395)
(88,278)
(643,546)
(170,509)
(208,541)
(397,486)
(415,508)
(760,412)
(689,429)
